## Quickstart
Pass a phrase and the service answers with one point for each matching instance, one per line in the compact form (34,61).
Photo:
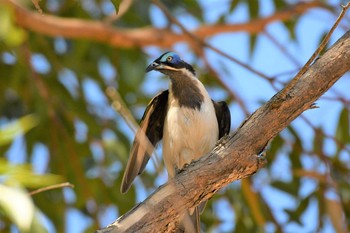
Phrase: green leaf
(37,225)
(287,187)
(18,206)
(295,215)
(233,5)
(343,129)
(253,8)
(335,213)
(20,126)
(194,8)
(116,4)
(303,204)
(252,43)
(275,146)
(318,141)
(279,4)
(22,174)
(297,149)
(10,34)
(290,25)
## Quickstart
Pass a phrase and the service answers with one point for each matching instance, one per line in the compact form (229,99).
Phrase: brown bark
(121,37)
(236,156)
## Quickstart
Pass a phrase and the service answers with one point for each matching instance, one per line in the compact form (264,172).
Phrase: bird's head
(170,63)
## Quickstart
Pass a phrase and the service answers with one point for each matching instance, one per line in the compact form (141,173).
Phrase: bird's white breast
(188,133)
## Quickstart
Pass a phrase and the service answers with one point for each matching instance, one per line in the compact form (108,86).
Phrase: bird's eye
(169,59)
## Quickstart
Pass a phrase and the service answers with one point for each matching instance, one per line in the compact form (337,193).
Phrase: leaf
(20,126)
(290,25)
(194,8)
(253,8)
(37,6)
(279,4)
(253,202)
(116,4)
(343,129)
(287,187)
(233,5)
(303,204)
(252,43)
(22,174)
(275,146)
(297,149)
(241,226)
(335,213)
(318,141)
(10,34)
(18,206)
(295,215)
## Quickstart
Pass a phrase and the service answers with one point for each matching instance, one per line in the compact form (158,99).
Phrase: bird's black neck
(185,90)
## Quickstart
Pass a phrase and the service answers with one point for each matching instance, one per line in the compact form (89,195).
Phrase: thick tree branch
(120,37)
(236,156)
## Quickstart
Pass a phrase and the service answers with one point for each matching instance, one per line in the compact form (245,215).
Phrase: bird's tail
(189,222)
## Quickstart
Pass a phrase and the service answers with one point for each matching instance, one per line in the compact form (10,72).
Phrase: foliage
(15,203)
(53,107)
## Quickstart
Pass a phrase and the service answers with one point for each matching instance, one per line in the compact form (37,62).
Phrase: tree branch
(50,187)
(236,156)
(119,37)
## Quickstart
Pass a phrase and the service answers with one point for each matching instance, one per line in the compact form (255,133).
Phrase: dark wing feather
(151,125)
(223,116)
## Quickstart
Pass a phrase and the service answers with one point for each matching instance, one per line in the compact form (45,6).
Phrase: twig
(282,48)
(233,95)
(37,6)
(119,105)
(337,141)
(323,44)
(197,39)
(50,187)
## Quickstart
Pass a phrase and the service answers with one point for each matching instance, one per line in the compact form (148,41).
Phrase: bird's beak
(153,66)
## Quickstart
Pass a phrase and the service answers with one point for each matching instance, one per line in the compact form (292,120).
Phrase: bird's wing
(146,138)
(223,116)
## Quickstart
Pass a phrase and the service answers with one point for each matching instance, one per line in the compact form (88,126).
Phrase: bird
(186,119)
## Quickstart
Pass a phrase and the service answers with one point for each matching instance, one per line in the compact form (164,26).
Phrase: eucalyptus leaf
(10,131)
(116,4)
(18,206)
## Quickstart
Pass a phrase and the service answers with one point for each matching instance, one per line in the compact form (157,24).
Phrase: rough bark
(236,156)
(140,37)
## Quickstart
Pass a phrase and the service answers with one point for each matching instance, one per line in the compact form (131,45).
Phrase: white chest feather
(188,133)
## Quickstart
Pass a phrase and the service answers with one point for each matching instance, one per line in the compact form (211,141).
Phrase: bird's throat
(186,92)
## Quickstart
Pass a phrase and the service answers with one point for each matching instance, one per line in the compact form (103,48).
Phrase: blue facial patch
(176,58)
